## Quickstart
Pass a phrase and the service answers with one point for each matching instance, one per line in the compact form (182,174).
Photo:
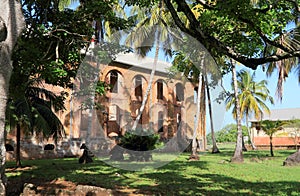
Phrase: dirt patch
(41,187)
(61,187)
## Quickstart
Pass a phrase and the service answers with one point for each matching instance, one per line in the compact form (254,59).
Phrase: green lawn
(212,175)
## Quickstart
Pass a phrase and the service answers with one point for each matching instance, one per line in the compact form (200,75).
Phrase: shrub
(140,141)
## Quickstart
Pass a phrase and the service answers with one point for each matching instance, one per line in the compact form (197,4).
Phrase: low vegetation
(213,174)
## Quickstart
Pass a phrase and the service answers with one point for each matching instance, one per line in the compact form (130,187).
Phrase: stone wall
(30,149)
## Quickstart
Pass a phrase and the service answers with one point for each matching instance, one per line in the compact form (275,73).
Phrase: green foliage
(252,96)
(227,134)
(239,29)
(140,140)
(271,127)
(33,108)
(141,3)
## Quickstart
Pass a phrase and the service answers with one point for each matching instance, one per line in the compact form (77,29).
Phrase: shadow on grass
(180,177)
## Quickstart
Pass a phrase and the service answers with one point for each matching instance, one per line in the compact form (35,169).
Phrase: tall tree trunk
(238,153)
(215,148)
(249,133)
(145,97)
(194,155)
(18,149)
(202,121)
(11,25)
(271,146)
(149,87)
(194,142)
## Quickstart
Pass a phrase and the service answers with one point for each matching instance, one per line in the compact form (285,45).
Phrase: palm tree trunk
(271,146)
(145,98)
(194,142)
(249,134)
(215,148)
(194,155)
(238,153)
(18,150)
(202,120)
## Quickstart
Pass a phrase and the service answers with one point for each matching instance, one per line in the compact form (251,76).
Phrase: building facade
(170,108)
(288,137)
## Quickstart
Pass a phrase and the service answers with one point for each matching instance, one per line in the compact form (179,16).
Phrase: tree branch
(213,45)
(65,31)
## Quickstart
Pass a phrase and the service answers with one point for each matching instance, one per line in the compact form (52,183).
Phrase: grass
(212,175)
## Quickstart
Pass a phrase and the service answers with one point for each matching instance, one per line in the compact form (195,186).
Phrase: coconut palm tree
(238,152)
(151,31)
(290,40)
(252,98)
(215,148)
(185,64)
(30,109)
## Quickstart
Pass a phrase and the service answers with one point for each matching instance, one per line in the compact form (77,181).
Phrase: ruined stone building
(170,108)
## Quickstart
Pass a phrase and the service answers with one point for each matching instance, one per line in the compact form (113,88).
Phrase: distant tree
(270,128)
(295,124)
(227,134)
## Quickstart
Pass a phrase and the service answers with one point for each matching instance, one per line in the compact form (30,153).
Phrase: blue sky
(291,95)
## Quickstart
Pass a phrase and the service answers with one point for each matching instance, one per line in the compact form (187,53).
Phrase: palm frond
(47,122)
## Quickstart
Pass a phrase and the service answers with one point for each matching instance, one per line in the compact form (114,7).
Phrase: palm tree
(238,152)
(183,63)
(215,148)
(151,30)
(291,41)
(270,128)
(252,98)
(194,155)
(30,109)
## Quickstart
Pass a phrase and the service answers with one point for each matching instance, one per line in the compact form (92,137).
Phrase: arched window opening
(138,87)
(160,122)
(160,90)
(113,80)
(179,92)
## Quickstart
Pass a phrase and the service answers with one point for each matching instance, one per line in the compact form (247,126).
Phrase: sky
(291,95)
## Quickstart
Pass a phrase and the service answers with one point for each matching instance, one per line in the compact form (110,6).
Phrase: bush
(141,141)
